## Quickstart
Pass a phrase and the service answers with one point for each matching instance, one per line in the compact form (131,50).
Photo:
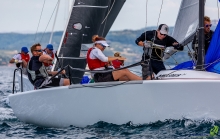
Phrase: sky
(23,15)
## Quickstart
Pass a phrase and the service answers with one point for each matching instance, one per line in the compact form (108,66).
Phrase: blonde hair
(206,18)
(97,38)
(117,54)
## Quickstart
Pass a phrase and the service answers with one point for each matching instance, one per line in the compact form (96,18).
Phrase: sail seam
(89,6)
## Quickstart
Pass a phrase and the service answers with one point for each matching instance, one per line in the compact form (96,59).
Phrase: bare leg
(125,72)
(66,82)
(124,78)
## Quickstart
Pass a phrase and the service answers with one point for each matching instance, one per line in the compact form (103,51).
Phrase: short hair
(206,18)
(33,47)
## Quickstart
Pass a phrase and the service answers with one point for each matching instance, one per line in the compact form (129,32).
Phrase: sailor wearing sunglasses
(154,55)
(208,36)
(38,74)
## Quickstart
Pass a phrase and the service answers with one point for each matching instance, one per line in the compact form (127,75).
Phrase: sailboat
(173,95)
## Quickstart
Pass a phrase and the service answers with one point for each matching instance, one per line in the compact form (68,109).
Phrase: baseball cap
(24,49)
(103,42)
(50,46)
(163,28)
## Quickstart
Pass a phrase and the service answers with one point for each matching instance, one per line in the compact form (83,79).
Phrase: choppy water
(11,127)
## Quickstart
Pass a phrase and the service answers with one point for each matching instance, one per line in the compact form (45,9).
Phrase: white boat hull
(27,86)
(119,102)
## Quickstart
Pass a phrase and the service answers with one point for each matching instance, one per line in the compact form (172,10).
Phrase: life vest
(47,64)
(25,57)
(37,77)
(116,64)
(94,63)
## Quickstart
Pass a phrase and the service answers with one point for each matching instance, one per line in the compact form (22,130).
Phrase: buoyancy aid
(94,63)
(37,77)
(47,64)
(25,57)
(116,64)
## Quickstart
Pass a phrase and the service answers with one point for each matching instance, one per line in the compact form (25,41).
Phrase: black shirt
(208,38)
(152,36)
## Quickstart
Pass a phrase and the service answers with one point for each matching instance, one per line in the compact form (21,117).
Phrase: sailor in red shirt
(98,61)
(117,63)
(49,51)
(21,59)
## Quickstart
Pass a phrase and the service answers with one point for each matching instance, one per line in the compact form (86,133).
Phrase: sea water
(11,127)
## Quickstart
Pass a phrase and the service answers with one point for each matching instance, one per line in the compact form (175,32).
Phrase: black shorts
(55,82)
(103,77)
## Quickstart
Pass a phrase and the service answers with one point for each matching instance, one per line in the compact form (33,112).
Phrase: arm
(116,58)
(24,63)
(97,53)
(45,59)
(15,58)
(174,43)
(144,36)
(12,60)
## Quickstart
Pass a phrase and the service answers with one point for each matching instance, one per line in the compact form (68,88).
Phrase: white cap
(163,28)
(103,43)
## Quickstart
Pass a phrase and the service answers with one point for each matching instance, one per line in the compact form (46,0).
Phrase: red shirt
(116,64)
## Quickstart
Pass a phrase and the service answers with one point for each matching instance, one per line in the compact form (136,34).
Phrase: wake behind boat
(173,94)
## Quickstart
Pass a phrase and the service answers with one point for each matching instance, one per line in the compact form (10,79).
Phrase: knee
(66,82)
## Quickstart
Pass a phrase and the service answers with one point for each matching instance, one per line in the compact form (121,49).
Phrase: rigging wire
(105,19)
(39,20)
(158,18)
(108,13)
(49,21)
(146,26)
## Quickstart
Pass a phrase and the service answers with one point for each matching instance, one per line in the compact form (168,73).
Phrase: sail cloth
(187,21)
(212,57)
(87,18)
(213,53)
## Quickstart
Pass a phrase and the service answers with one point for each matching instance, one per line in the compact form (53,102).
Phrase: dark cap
(163,28)
(24,49)
(50,46)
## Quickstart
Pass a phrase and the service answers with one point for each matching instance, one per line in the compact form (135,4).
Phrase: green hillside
(120,41)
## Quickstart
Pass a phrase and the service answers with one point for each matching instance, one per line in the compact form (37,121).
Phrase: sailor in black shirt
(159,37)
(208,36)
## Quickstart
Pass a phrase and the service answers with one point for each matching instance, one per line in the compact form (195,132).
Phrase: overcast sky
(23,15)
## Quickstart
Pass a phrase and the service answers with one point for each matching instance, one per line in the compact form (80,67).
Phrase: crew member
(152,57)
(98,61)
(37,73)
(21,59)
(49,51)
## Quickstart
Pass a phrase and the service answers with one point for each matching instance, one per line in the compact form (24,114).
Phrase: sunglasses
(208,25)
(163,34)
(38,50)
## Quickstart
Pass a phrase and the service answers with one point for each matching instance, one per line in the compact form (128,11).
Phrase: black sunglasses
(38,50)
(208,25)
(163,34)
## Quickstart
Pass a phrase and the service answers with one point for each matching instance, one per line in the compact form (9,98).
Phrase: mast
(200,61)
